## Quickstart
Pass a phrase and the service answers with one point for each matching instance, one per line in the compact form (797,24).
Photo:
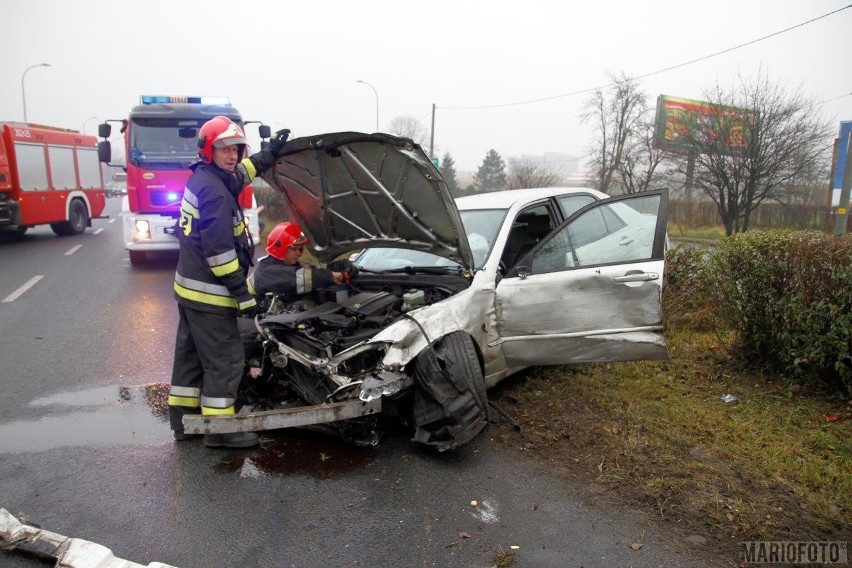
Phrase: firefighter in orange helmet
(282,273)
(210,280)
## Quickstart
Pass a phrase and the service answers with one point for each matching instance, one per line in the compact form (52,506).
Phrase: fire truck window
(90,168)
(62,167)
(32,167)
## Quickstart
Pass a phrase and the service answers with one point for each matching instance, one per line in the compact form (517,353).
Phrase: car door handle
(640,277)
(625,240)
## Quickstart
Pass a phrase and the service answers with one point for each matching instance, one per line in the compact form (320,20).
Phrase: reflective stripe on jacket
(215,251)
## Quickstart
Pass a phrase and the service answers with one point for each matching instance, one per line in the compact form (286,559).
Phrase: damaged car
(448,296)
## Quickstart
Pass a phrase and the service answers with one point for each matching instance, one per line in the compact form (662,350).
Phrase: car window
(572,203)
(608,233)
(528,229)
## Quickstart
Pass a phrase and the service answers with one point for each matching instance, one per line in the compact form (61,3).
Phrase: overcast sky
(296,64)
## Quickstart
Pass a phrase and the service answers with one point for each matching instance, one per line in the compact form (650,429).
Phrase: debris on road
(68,552)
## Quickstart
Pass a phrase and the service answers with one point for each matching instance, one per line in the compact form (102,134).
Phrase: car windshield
(481,226)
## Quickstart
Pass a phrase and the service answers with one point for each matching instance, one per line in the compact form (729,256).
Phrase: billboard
(840,164)
(686,125)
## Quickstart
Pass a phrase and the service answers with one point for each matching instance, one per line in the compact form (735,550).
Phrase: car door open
(591,290)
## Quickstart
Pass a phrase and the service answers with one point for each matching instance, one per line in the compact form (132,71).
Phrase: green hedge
(786,295)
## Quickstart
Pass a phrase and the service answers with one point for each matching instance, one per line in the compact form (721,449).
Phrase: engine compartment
(334,319)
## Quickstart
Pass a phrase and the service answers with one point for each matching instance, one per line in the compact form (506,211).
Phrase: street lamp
(23,93)
(377,100)
(85,122)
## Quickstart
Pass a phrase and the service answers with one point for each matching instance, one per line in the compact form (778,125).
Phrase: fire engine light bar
(165,99)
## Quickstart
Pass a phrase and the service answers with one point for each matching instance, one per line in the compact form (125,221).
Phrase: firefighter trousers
(208,365)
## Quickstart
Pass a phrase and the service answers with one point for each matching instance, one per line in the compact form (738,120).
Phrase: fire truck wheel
(78,220)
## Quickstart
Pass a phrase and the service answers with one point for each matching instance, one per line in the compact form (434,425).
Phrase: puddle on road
(95,417)
(298,452)
(127,415)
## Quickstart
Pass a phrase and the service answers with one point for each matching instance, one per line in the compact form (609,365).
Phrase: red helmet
(283,236)
(219,131)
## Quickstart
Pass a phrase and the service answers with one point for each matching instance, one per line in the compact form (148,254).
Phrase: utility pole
(432,133)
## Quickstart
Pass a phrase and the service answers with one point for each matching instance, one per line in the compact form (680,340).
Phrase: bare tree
(618,112)
(640,159)
(408,127)
(524,172)
(773,140)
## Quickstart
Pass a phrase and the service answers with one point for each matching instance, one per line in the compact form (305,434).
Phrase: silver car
(450,297)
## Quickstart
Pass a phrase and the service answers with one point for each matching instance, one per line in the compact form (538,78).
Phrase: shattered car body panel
(451,296)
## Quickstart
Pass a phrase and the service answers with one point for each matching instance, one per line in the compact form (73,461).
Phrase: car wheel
(78,220)
(137,257)
(450,403)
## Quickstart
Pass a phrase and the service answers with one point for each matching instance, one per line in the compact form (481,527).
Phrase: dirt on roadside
(602,428)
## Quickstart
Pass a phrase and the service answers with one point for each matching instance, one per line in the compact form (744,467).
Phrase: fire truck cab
(48,175)
(160,143)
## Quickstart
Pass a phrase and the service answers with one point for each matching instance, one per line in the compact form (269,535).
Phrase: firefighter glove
(277,141)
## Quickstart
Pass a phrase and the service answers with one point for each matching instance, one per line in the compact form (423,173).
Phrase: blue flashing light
(166,99)
(173,197)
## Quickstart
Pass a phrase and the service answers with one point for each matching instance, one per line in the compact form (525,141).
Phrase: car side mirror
(104,130)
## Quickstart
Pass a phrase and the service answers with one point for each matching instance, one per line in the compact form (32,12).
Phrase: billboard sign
(686,125)
(840,164)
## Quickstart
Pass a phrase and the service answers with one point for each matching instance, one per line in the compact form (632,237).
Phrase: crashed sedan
(450,296)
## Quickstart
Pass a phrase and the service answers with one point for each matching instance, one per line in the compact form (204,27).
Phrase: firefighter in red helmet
(210,280)
(282,273)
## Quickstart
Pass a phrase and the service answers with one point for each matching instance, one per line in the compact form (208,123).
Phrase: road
(86,451)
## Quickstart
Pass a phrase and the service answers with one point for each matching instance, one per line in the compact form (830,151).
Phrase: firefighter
(281,272)
(210,281)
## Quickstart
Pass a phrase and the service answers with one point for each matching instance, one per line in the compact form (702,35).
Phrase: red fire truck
(48,175)
(160,142)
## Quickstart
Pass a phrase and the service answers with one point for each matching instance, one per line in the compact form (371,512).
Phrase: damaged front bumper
(282,418)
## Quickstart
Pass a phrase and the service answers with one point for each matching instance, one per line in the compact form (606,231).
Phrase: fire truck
(48,175)
(160,142)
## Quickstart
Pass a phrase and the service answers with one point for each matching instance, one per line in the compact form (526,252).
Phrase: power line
(679,65)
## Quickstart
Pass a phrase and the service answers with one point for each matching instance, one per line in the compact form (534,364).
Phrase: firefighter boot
(234,440)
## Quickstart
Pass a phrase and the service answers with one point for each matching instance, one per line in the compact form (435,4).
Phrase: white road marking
(14,295)
(112,220)
(99,231)
(73,250)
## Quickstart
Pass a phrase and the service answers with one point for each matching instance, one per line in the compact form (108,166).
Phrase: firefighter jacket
(215,245)
(289,280)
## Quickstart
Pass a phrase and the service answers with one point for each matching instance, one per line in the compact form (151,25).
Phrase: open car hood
(350,190)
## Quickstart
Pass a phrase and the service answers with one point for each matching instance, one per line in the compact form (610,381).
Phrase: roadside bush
(788,298)
(687,302)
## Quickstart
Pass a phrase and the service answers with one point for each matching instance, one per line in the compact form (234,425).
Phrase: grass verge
(777,465)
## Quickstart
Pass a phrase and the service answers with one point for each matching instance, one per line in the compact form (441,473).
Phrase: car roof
(507,198)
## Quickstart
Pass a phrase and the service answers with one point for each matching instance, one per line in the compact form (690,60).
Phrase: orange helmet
(283,236)
(218,132)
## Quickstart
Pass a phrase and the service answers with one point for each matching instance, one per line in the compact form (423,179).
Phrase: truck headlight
(143,229)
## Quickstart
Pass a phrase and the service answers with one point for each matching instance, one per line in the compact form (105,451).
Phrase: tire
(450,403)
(78,220)
(137,257)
